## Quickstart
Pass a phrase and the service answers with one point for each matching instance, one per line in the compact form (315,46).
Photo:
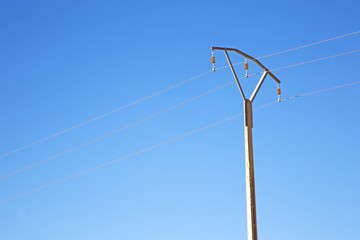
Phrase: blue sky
(65,62)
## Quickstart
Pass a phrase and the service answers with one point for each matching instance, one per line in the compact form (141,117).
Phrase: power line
(296,48)
(311,44)
(104,115)
(319,91)
(315,60)
(165,90)
(168,141)
(161,112)
(116,131)
(122,158)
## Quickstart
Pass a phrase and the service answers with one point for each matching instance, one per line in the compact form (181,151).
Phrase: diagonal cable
(104,115)
(166,110)
(116,131)
(163,143)
(165,90)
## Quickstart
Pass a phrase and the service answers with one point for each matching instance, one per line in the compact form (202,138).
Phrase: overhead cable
(163,143)
(162,91)
(161,112)
(103,115)
(116,131)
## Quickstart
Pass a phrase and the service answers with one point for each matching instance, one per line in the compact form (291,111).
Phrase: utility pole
(249,154)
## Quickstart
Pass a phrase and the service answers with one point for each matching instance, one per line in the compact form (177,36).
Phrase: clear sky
(65,62)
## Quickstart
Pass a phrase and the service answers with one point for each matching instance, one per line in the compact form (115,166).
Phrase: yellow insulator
(246,68)
(278,92)
(213,59)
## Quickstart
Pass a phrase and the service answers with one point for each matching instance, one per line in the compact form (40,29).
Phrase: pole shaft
(250,178)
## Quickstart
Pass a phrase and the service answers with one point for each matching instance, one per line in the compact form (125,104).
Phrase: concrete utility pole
(249,155)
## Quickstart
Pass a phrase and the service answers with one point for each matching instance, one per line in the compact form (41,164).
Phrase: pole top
(249,57)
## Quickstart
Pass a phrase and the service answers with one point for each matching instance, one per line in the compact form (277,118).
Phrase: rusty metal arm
(235,76)
(249,57)
(256,90)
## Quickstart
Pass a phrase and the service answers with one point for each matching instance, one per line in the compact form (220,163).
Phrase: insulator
(278,91)
(213,60)
(246,68)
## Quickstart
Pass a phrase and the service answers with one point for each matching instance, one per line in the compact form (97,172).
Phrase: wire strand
(319,91)
(308,45)
(168,141)
(166,110)
(315,60)
(116,131)
(104,115)
(122,158)
(165,90)
(296,48)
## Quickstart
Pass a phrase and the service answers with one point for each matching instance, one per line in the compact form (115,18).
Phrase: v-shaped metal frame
(249,154)
(266,71)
